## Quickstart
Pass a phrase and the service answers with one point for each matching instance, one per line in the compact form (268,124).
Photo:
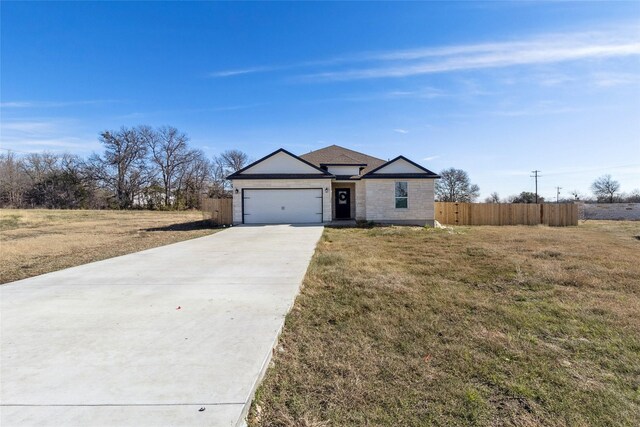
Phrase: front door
(343,203)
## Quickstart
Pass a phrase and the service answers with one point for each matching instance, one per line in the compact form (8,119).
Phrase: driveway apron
(175,335)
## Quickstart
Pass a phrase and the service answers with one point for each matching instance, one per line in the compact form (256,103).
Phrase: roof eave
(400,175)
(238,173)
(426,171)
(280,176)
(342,164)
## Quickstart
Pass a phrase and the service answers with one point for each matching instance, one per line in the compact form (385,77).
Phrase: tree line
(156,168)
(139,167)
(455,186)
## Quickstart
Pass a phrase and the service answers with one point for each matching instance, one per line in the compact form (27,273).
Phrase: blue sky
(498,89)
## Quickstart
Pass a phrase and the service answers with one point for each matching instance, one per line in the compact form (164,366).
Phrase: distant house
(332,184)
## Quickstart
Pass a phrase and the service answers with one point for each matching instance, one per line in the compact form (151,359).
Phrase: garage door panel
(282,206)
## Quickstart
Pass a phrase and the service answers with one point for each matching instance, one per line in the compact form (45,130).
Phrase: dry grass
(490,326)
(34,242)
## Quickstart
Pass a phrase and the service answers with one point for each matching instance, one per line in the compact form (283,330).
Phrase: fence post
(456,212)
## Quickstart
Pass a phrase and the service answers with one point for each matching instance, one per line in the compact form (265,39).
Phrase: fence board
(552,214)
(219,211)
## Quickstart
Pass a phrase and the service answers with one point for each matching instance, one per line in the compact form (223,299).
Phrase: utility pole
(536,175)
(558,194)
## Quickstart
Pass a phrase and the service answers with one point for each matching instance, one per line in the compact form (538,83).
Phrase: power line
(579,171)
(536,176)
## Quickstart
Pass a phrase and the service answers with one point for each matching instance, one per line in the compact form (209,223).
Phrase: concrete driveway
(153,337)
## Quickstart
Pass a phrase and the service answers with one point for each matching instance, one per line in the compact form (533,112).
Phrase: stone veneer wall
(380,201)
(361,196)
(281,183)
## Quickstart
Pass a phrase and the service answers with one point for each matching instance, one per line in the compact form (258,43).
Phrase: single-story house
(332,184)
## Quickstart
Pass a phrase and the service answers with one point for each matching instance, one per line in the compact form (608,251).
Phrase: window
(401,195)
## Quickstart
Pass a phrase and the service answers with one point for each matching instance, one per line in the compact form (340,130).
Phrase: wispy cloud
(16,104)
(64,144)
(28,126)
(535,111)
(623,41)
(424,93)
(428,159)
(616,169)
(401,130)
(44,135)
(602,79)
(187,111)
(500,58)
(236,107)
(554,79)
(615,79)
(546,49)
(240,71)
(53,104)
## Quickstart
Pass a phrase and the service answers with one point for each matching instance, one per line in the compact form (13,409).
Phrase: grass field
(34,242)
(489,326)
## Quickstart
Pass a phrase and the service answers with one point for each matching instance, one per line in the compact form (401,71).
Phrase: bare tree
(224,164)
(455,186)
(194,179)
(233,160)
(169,152)
(493,198)
(139,166)
(526,197)
(634,196)
(41,169)
(218,188)
(38,165)
(122,166)
(605,188)
(13,180)
(59,189)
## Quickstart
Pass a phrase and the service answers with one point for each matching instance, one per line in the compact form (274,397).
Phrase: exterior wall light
(237,191)
(326,189)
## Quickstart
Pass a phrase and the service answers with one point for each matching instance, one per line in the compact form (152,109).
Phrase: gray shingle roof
(336,155)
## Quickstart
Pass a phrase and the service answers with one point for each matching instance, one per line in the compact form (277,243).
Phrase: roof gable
(400,167)
(280,162)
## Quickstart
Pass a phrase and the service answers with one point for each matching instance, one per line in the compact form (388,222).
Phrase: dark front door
(343,203)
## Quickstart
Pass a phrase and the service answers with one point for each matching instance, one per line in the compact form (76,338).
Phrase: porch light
(326,189)
(237,191)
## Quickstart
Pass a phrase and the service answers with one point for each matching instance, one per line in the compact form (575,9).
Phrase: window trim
(396,197)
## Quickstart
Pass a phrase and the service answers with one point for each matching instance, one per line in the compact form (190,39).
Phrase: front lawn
(520,326)
(37,241)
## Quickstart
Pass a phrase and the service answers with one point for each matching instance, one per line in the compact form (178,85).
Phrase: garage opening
(282,206)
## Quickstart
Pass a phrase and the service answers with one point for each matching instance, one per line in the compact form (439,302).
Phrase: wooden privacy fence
(553,214)
(218,211)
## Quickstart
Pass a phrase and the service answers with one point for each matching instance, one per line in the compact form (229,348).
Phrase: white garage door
(290,206)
